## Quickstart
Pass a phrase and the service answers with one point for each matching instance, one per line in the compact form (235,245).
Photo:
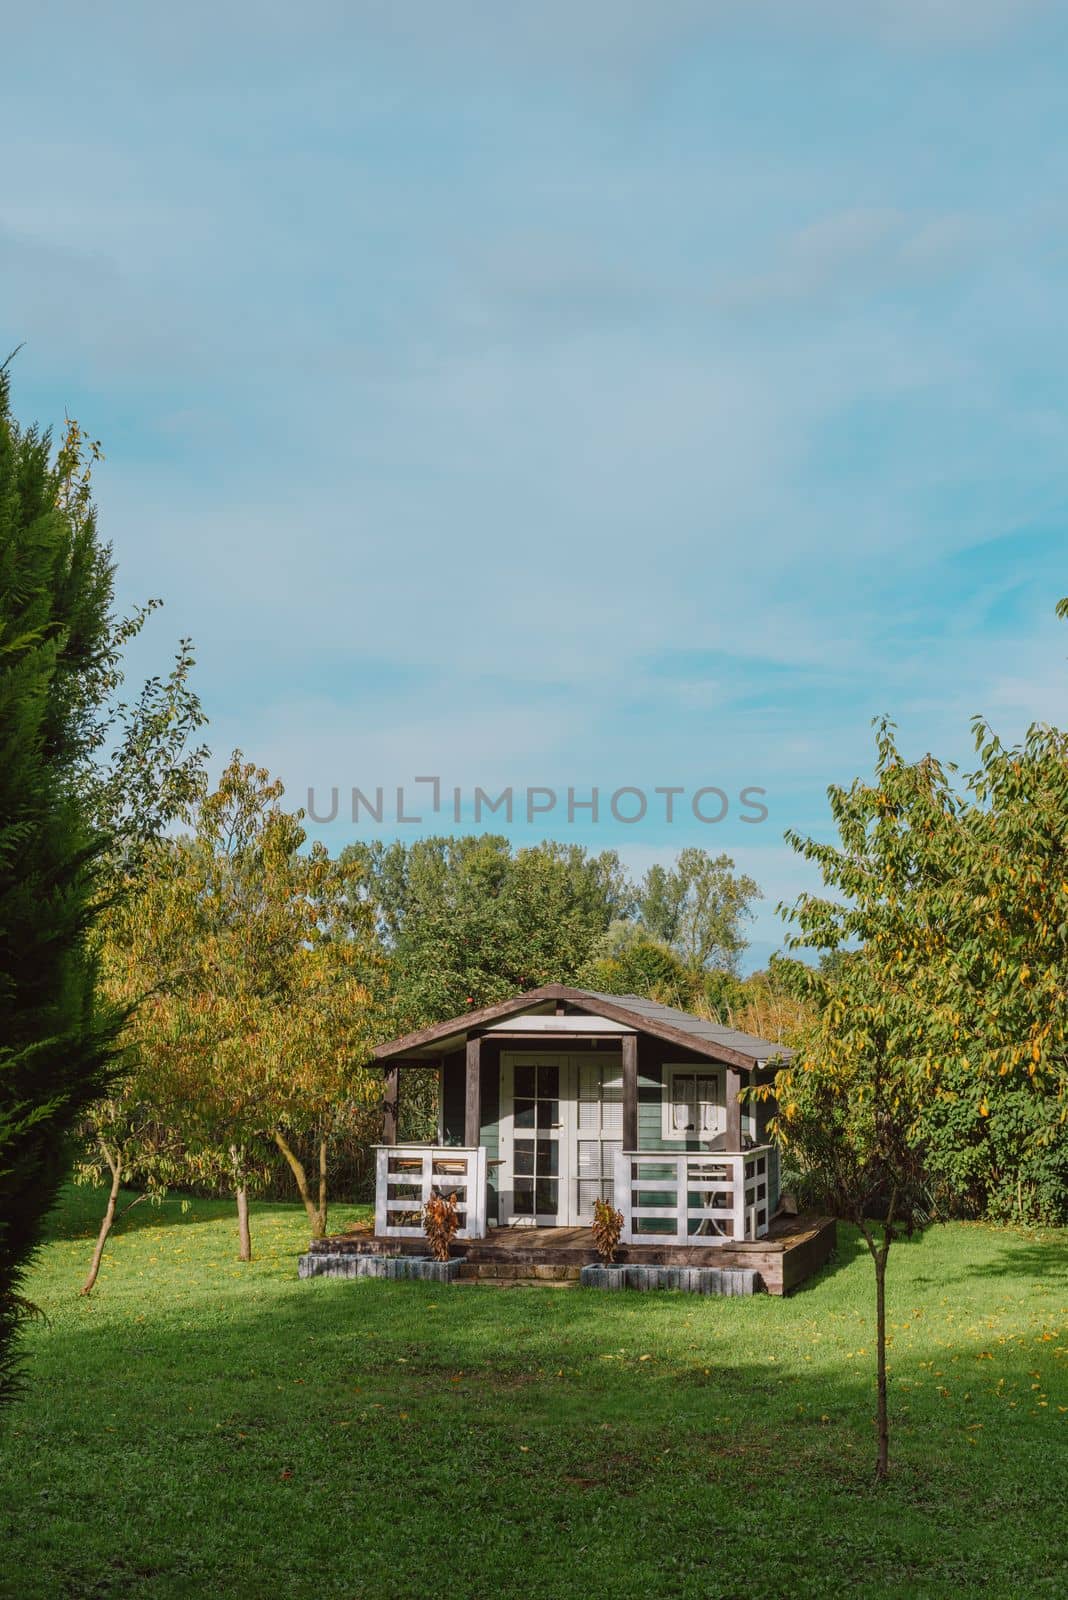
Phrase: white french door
(535,1096)
(561,1124)
(598,1130)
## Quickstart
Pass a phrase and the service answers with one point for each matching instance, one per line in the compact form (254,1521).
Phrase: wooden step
(567,1284)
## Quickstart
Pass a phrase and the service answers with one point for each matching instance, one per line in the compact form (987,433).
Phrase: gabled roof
(632,1010)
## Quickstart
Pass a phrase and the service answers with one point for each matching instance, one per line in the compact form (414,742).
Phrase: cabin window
(693,1103)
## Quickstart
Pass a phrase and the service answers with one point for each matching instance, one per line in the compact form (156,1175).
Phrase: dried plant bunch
(441,1219)
(607,1227)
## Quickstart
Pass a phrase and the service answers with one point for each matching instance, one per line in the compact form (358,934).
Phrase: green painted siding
(650,1114)
(650,1097)
(650,1117)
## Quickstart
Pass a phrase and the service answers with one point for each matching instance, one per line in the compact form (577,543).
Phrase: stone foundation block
(322,1264)
(690,1280)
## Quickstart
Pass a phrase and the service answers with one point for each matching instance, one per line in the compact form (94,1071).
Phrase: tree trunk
(322,1184)
(315,1216)
(105,1226)
(882,1420)
(243,1234)
(879,1254)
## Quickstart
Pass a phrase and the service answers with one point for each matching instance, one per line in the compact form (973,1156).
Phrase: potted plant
(607,1227)
(440,1222)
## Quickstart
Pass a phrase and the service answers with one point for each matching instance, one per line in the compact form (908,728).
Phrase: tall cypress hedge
(56,1041)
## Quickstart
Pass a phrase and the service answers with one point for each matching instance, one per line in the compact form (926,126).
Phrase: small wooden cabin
(560,1095)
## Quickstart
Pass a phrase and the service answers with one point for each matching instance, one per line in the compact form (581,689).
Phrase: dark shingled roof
(631,1010)
(746,1044)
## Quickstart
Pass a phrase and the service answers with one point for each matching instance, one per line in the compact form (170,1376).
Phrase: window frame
(672,1069)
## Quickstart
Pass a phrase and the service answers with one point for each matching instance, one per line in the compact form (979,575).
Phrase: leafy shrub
(1010,1164)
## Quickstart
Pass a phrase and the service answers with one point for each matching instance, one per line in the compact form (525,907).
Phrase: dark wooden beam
(426,1063)
(390,1106)
(735,1081)
(546,1040)
(473,1094)
(630,1091)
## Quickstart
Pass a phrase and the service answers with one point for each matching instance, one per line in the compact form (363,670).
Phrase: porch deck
(791,1251)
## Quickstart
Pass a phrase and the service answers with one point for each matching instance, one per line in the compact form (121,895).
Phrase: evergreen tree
(55,1040)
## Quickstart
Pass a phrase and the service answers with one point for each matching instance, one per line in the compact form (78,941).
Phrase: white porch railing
(693,1197)
(406,1175)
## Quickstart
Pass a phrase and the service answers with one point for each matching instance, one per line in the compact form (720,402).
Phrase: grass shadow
(79,1211)
(1015,1256)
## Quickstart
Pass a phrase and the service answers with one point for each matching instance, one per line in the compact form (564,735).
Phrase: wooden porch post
(473,1095)
(391,1076)
(630,1091)
(734,1108)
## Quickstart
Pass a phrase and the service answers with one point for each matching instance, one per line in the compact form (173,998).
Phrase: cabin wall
(654,1056)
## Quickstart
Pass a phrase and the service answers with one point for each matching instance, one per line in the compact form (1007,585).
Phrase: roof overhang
(427,1044)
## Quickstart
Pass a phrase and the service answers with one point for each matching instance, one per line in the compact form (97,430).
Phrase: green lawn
(203,1428)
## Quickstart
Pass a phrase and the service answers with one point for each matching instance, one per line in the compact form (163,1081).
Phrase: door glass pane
(588,1158)
(612,1116)
(549,1081)
(524,1082)
(548,1113)
(548,1158)
(524,1113)
(536,1161)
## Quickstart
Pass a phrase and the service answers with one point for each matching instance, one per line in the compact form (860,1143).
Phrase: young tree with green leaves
(949,927)
(852,1102)
(257,970)
(130,1145)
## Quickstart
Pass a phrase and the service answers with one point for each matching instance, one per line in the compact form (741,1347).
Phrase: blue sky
(588,394)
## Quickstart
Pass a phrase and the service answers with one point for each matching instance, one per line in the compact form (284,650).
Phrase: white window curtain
(695,1103)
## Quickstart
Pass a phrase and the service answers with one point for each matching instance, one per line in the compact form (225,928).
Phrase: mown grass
(199,1427)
